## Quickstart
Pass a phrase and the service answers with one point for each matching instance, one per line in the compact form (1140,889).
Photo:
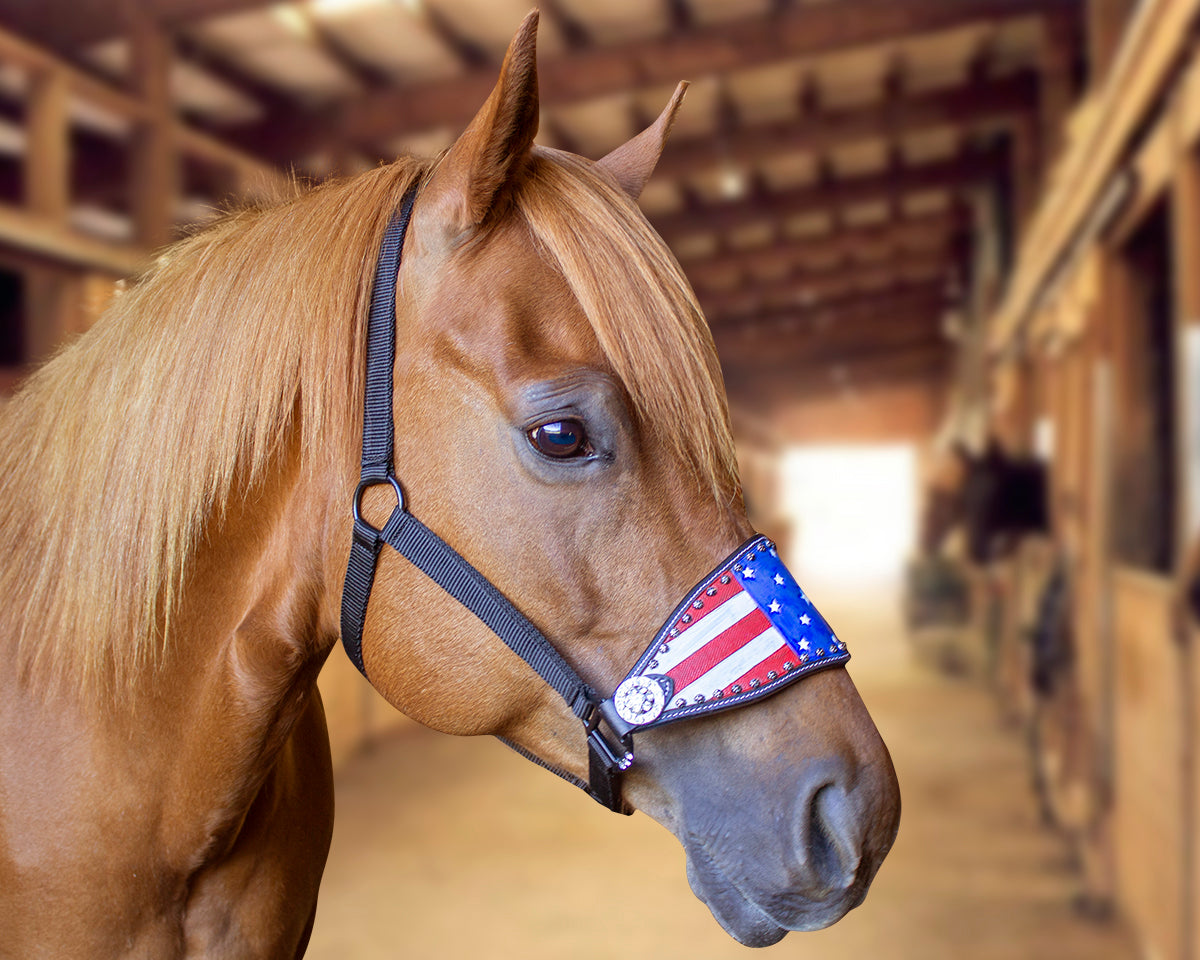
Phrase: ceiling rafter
(935,231)
(857,309)
(815,287)
(638,65)
(893,184)
(967,107)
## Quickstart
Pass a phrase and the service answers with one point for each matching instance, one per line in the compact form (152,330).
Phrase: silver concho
(639,700)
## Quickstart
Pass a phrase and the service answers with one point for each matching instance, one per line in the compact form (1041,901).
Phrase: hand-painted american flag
(742,633)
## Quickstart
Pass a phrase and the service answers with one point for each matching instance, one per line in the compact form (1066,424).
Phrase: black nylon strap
(437,559)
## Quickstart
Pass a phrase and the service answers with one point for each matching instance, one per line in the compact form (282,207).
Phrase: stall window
(1145,504)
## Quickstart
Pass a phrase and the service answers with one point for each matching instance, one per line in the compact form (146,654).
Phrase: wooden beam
(861,243)
(863,370)
(857,312)
(637,65)
(154,184)
(56,243)
(811,288)
(968,107)
(848,309)
(893,331)
(890,186)
(47,159)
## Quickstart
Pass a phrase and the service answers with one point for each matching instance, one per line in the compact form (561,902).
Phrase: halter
(742,633)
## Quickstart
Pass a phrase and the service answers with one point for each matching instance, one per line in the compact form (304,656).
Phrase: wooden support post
(48,156)
(155,168)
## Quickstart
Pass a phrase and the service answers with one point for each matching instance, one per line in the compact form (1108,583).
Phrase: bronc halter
(742,633)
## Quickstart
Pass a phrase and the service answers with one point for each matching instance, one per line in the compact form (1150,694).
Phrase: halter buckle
(363,484)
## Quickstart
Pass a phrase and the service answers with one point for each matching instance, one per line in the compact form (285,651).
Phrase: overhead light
(293,18)
(343,6)
(733,183)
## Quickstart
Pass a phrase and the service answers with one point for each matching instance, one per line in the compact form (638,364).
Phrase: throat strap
(439,561)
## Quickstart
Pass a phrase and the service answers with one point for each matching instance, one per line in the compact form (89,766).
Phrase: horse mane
(116,454)
(250,335)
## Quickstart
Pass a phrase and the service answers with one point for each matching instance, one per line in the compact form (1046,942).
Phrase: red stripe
(774,662)
(719,647)
(724,592)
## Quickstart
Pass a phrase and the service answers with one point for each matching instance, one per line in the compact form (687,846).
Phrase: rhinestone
(698,604)
(710,592)
(718,695)
(725,578)
(804,658)
(653,664)
(686,618)
(788,666)
(681,702)
(673,633)
(737,568)
(771,675)
(820,651)
(754,683)
(699,698)
(751,557)
(736,688)
(665,648)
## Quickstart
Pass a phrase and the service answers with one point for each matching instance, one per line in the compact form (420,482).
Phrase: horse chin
(752,923)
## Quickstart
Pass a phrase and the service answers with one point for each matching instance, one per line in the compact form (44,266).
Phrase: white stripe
(717,622)
(733,666)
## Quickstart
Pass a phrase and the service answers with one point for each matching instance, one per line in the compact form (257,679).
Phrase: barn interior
(940,244)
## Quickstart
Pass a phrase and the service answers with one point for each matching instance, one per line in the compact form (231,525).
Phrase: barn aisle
(449,848)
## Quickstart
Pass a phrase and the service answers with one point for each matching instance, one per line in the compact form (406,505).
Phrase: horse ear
(634,161)
(467,181)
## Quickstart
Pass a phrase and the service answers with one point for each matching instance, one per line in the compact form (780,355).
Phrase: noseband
(742,633)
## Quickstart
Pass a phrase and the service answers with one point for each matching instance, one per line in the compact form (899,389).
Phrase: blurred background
(949,253)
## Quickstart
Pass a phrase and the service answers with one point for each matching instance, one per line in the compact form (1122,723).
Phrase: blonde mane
(249,335)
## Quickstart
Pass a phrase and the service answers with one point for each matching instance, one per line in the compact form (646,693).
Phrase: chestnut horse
(175,520)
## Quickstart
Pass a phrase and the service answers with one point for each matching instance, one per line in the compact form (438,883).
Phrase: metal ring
(356,506)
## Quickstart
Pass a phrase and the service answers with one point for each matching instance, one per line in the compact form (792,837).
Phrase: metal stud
(788,666)
(752,557)
(771,675)
(673,633)
(718,695)
(804,658)
(754,683)
(737,568)
(653,665)
(710,592)
(666,647)
(820,651)
(681,702)
(698,604)
(725,578)
(686,618)
(699,698)
(736,688)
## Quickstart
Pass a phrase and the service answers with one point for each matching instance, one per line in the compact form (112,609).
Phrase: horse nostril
(831,847)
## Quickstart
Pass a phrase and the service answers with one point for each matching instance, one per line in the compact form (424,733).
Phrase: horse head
(562,424)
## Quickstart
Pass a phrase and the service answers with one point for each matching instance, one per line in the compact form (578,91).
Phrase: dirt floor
(448,848)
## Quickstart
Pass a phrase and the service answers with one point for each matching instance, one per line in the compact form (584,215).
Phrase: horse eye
(561,439)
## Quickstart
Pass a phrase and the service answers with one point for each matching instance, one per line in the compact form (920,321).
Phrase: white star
(779,579)
(804,598)
(806,619)
(774,606)
(803,644)
(749,573)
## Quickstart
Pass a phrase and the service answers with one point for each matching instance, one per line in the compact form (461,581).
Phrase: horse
(997,497)
(175,518)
